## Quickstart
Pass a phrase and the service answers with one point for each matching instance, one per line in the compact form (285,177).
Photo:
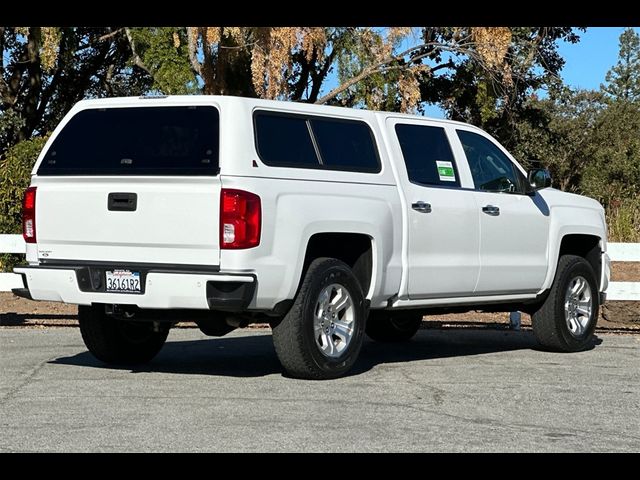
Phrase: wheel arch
(355,249)
(586,245)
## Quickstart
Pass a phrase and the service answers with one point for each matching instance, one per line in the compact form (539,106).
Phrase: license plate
(123,281)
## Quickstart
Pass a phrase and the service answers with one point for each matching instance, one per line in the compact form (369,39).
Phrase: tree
(388,68)
(591,145)
(558,133)
(267,62)
(45,70)
(478,74)
(15,175)
(614,170)
(623,80)
(492,88)
(162,53)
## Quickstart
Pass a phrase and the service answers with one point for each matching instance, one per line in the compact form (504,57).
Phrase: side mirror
(539,178)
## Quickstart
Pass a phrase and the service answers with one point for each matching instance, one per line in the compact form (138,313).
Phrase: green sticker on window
(445,171)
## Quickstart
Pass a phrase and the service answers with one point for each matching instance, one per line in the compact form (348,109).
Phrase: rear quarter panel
(298,203)
(293,211)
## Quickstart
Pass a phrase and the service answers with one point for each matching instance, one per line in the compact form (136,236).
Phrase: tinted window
(136,141)
(427,155)
(287,140)
(491,169)
(284,140)
(345,145)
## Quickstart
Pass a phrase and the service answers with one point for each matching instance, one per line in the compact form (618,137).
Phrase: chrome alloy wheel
(334,320)
(578,306)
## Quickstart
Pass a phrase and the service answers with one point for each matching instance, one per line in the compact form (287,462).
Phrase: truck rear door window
(137,141)
(427,155)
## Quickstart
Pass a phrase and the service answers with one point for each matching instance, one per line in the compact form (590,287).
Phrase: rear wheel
(393,326)
(566,320)
(119,341)
(321,336)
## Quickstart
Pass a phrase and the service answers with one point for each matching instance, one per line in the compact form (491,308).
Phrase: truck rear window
(137,141)
(287,140)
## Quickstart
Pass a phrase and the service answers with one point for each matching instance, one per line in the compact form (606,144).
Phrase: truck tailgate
(175,220)
(136,184)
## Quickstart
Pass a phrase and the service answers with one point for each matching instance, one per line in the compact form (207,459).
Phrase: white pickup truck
(326,222)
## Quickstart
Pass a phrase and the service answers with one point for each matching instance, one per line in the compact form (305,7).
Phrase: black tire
(550,324)
(393,326)
(294,337)
(118,341)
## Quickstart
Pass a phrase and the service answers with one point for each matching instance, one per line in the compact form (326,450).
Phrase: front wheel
(566,320)
(321,336)
(118,341)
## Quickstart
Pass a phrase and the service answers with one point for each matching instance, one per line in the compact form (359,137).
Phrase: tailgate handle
(122,202)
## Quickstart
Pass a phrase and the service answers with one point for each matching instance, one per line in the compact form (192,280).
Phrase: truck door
(514,227)
(442,216)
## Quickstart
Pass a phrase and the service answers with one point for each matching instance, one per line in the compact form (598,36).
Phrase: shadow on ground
(13,319)
(254,355)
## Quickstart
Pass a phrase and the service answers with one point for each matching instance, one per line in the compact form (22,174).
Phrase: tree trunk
(34,79)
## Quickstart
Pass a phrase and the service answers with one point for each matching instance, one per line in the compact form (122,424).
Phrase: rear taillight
(29,215)
(240,219)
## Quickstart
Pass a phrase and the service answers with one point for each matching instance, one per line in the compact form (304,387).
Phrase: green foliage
(355,50)
(558,134)
(614,170)
(623,219)
(592,147)
(46,70)
(495,100)
(10,121)
(15,175)
(164,51)
(588,139)
(623,80)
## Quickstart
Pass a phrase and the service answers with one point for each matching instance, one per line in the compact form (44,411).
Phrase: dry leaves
(271,48)
(492,44)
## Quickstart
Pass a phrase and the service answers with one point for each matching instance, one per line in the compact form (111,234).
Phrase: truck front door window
(491,169)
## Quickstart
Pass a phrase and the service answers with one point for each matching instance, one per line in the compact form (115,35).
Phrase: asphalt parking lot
(447,390)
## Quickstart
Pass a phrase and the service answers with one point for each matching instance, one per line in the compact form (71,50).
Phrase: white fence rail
(624,252)
(11,244)
(619,252)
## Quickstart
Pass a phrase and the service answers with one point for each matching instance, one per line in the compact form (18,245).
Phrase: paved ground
(450,390)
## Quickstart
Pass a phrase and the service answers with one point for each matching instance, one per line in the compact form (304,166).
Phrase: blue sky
(587,61)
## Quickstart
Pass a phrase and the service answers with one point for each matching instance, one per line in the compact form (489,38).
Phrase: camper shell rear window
(137,141)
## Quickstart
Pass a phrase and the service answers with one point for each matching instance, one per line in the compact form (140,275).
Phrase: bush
(623,219)
(15,175)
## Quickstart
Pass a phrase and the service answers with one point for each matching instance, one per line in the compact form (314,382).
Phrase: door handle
(422,207)
(491,210)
